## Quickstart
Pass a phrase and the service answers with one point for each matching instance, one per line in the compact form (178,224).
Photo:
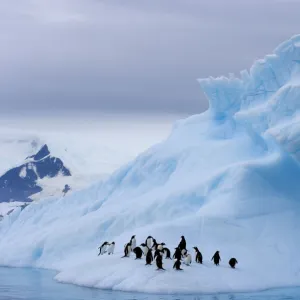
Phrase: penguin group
(146,249)
(107,247)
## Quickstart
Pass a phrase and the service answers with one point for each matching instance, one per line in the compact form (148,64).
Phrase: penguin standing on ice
(127,250)
(182,244)
(102,248)
(133,242)
(188,259)
(149,257)
(232,262)
(199,258)
(177,254)
(177,265)
(216,258)
(159,262)
(167,252)
(138,252)
(145,248)
(149,241)
(111,248)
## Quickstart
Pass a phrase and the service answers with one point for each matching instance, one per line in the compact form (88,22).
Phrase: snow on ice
(227,179)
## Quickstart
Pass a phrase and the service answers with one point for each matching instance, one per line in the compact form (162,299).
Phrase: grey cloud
(131,54)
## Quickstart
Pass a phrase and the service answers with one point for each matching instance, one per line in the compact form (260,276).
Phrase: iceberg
(227,179)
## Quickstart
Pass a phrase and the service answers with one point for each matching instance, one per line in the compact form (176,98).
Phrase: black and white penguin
(133,242)
(167,252)
(177,265)
(199,258)
(102,248)
(232,262)
(127,250)
(111,248)
(188,259)
(145,248)
(182,244)
(159,262)
(149,257)
(216,258)
(160,246)
(149,241)
(177,254)
(138,252)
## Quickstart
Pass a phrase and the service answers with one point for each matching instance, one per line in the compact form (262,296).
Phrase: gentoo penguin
(127,250)
(232,262)
(182,244)
(199,258)
(111,248)
(177,265)
(183,252)
(133,242)
(159,262)
(167,252)
(188,259)
(149,257)
(160,246)
(145,248)
(138,252)
(149,241)
(177,254)
(102,248)
(216,258)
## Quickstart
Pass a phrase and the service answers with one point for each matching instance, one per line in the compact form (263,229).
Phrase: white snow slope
(227,179)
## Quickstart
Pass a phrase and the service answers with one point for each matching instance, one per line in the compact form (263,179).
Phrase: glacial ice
(227,179)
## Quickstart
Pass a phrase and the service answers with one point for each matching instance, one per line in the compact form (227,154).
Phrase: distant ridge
(20,183)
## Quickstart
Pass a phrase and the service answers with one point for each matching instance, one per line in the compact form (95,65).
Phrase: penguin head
(196,249)
(182,237)
(162,244)
(113,243)
(133,237)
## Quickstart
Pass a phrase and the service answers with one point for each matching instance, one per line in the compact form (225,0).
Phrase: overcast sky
(131,54)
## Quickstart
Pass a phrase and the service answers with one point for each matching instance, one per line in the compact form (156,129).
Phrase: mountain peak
(42,153)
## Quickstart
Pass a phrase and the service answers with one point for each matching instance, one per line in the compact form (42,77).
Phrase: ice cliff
(227,179)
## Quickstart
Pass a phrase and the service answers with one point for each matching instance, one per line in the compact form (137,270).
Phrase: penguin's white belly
(111,249)
(149,243)
(133,244)
(188,260)
(145,250)
(103,249)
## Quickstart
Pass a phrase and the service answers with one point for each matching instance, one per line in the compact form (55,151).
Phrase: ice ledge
(228,95)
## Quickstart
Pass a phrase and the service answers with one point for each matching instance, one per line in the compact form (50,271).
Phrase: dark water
(33,284)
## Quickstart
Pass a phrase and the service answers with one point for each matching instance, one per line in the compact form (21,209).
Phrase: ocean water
(36,284)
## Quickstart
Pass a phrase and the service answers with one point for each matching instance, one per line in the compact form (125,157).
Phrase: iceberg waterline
(227,179)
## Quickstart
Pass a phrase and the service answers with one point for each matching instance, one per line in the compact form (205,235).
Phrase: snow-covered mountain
(227,179)
(21,184)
